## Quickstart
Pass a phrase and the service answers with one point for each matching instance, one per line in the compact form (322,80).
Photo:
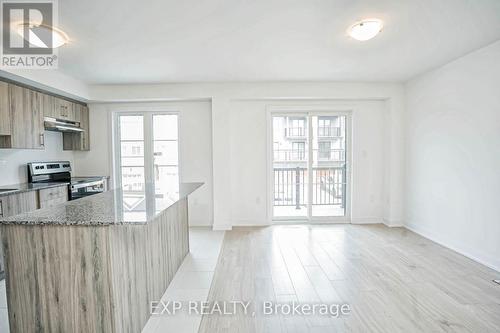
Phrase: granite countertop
(26,187)
(115,207)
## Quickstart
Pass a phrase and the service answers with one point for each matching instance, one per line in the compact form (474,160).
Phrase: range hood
(58,125)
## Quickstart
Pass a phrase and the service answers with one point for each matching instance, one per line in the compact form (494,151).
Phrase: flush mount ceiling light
(365,29)
(59,37)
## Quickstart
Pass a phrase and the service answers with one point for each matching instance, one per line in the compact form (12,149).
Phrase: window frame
(148,143)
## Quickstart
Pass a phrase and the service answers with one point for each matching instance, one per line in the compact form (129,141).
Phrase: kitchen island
(94,264)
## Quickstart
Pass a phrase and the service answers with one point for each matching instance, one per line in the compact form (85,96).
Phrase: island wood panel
(12,205)
(4,109)
(91,278)
(57,278)
(144,262)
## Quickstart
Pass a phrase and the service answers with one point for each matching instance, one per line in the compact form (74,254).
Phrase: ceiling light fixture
(59,37)
(365,29)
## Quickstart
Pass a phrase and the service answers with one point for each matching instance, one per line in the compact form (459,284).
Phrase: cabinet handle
(1,209)
(42,140)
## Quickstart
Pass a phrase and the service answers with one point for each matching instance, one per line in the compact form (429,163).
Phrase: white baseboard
(478,257)
(366,220)
(393,223)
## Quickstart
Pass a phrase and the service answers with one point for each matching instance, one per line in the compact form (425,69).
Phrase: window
(296,127)
(298,151)
(324,150)
(328,126)
(147,152)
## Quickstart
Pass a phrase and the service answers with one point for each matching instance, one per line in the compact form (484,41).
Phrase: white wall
(453,155)
(228,97)
(13,161)
(195,148)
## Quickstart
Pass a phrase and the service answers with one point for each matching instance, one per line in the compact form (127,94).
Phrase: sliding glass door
(310,166)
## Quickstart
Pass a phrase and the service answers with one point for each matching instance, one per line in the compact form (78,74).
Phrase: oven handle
(82,185)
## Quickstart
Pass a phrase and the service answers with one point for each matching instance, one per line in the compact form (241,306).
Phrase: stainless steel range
(55,172)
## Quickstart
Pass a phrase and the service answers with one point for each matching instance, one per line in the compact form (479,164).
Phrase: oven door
(85,189)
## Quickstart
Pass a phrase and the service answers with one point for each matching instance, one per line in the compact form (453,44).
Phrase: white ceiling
(130,41)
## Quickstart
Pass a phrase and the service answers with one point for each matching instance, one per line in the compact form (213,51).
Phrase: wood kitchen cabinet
(22,112)
(64,109)
(59,108)
(84,124)
(50,197)
(14,204)
(49,106)
(78,141)
(25,112)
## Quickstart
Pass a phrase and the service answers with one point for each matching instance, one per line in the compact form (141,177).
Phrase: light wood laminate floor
(393,279)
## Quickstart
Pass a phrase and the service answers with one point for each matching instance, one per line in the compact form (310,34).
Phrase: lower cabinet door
(53,196)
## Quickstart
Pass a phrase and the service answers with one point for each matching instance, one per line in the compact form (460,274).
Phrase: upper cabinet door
(37,105)
(49,106)
(4,109)
(84,124)
(58,108)
(78,141)
(64,109)
(26,118)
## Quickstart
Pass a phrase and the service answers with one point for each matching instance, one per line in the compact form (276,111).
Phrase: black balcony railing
(328,186)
